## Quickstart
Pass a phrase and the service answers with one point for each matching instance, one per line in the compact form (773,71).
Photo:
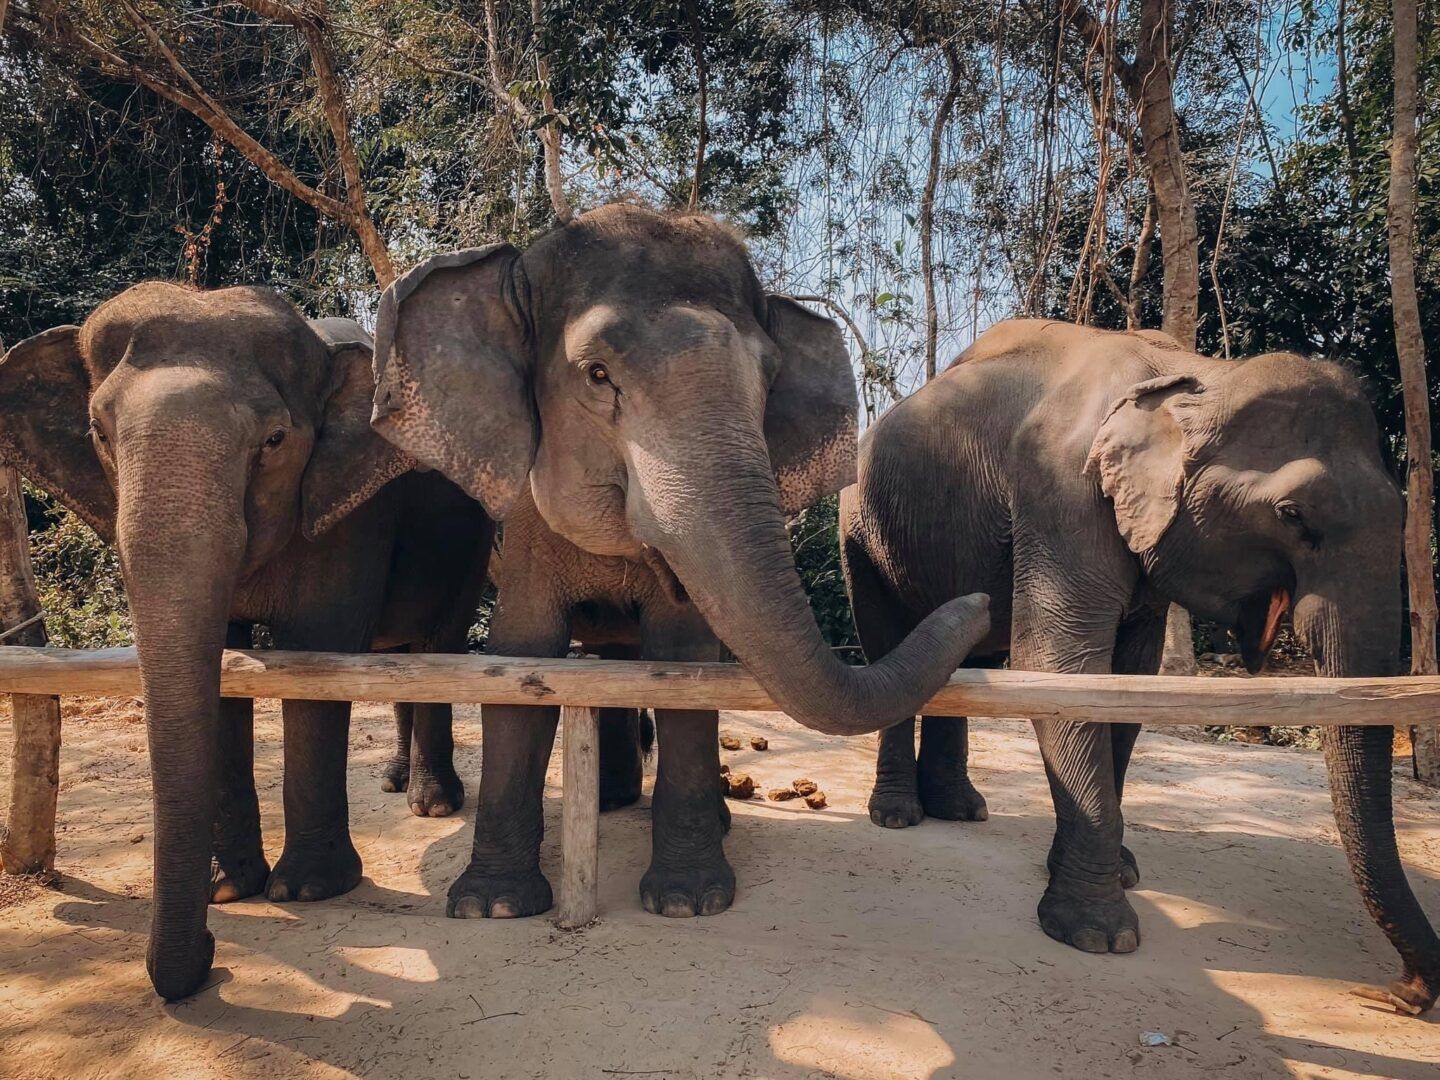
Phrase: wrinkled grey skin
(229,455)
(641,415)
(1086,479)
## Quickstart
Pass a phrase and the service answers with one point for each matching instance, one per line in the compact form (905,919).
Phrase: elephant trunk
(1351,624)
(181,536)
(713,511)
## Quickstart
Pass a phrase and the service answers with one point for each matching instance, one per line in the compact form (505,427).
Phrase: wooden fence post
(580,819)
(29,846)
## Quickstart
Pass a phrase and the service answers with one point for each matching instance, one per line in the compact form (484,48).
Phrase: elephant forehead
(610,330)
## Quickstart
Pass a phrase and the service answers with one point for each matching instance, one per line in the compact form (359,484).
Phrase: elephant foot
(892,809)
(478,895)
(953,800)
(314,873)
(1129,868)
(435,792)
(1411,995)
(395,776)
(178,973)
(682,891)
(234,876)
(620,787)
(1090,924)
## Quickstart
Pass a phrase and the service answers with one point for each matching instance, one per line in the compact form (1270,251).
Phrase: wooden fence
(579,686)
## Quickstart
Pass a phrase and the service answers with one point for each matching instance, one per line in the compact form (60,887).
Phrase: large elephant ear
(452,366)
(810,417)
(1140,454)
(45,425)
(350,461)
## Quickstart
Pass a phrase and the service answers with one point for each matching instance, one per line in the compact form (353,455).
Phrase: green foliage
(77,577)
(815,541)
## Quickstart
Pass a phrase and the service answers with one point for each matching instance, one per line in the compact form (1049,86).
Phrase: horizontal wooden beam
(1149,699)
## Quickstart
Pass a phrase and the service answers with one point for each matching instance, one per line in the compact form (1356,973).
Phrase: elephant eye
(1290,514)
(599,374)
(276,438)
(99,434)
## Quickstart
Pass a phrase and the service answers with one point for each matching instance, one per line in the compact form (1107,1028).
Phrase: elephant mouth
(1258,625)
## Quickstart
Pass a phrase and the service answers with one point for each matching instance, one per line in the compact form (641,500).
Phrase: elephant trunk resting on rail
(1086,479)
(224,443)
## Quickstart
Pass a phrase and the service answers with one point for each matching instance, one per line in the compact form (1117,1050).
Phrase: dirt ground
(850,952)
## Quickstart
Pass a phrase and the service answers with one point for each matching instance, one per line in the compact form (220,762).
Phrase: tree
(1410,349)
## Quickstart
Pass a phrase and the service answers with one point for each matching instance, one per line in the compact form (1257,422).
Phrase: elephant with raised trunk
(1087,479)
(224,444)
(627,398)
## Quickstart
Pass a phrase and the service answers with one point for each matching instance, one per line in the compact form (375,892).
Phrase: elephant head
(1254,489)
(662,407)
(200,432)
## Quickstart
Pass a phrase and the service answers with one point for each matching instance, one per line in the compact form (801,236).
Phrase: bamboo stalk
(1150,699)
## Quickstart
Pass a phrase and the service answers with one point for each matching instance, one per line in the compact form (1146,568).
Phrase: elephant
(224,445)
(1086,479)
(640,415)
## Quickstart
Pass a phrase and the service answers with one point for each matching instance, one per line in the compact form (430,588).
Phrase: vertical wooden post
(580,819)
(29,846)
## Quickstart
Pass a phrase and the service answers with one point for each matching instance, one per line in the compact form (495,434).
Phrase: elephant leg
(237,854)
(435,787)
(1084,904)
(943,771)
(503,880)
(319,861)
(688,874)
(395,774)
(625,739)
(882,624)
(895,798)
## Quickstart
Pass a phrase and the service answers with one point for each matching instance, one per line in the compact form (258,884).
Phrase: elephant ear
(350,461)
(810,416)
(452,365)
(1140,454)
(45,425)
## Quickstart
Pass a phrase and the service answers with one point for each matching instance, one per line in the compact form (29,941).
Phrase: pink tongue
(1279,605)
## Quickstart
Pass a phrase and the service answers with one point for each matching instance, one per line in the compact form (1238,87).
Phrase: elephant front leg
(503,880)
(395,774)
(319,861)
(895,798)
(435,788)
(237,855)
(943,771)
(1084,904)
(688,874)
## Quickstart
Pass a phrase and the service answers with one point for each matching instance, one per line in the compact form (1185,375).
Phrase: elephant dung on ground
(224,444)
(642,415)
(1086,479)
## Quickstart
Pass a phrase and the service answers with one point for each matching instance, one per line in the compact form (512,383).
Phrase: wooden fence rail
(581,685)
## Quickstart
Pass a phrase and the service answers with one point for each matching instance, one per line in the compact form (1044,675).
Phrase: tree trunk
(927,209)
(29,846)
(1410,349)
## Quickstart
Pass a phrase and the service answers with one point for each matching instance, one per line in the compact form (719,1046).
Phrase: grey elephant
(224,444)
(1086,479)
(641,415)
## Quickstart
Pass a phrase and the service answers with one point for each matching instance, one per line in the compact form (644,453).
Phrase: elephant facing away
(1086,479)
(641,415)
(224,444)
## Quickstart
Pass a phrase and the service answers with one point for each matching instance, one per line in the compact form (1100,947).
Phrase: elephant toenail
(1091,940)
(467,907)
(714,902)
(311,892)
(504,909)
(676,906)
(1126,941)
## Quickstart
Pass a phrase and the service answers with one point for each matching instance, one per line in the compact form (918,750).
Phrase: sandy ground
(850,952)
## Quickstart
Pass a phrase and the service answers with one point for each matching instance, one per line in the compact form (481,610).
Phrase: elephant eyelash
(98,433)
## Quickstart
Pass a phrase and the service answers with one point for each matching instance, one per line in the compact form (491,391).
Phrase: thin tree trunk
(1410,349)
(927,210)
